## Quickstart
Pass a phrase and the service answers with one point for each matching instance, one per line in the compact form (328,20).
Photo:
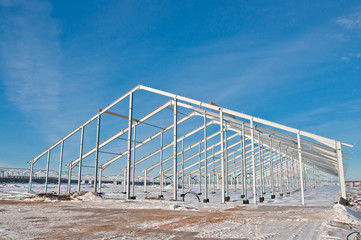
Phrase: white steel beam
(324,140)
(341,173)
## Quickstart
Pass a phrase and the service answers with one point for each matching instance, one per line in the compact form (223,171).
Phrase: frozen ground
(112,217)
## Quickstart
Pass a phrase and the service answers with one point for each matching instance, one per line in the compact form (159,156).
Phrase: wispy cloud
(330,116)
(351,56)
(247,68)
(31,54)
(351,21)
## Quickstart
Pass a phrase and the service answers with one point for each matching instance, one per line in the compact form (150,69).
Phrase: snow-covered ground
(113,217)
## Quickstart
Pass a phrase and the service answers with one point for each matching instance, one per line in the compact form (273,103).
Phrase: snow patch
(345,215)
(89,196)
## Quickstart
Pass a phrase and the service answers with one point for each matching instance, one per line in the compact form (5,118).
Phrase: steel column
(271,166)
(214,171)
(261,166)
(200,169)
(253,162)
(301,168)
(260,163)
(47,172)
(205,159)
(96,156)
(183,166)
(60,165)
(287,171)
(234,173)
(226,160)
(145,181)
(161,181)
(341,173)
(244,161)
(277,169)
(100,180)
(125,180)
(133,169)
(175,172)
(129,160)
(69,178)
(222,155)
(281,169)
(80,157)
(30,177)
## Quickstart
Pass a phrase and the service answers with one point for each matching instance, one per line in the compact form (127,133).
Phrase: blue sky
(295,63)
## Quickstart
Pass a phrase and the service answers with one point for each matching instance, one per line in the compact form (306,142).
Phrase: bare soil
(102,220)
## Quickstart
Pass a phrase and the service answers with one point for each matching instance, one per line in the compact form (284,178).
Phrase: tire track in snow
(307,231)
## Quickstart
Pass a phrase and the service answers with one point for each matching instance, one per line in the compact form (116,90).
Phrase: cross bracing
(204,142)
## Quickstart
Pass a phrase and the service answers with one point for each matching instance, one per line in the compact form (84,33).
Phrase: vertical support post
(298,175)
(262,172)
(200,169)
(305,175)
(287,171)
(133,169)
(235,182)
(244,160)
(292,168)
(277,169)
(260,163)
(222,154)
(281,169)
(226,162)
(175,172)
(80,157)
(183,167)
(301,168)
(69,178)
(30,177)
(47,172)
(214,171)
(341,173)
(253,162)
(242,168)
(161,181)
(129,161)
(60,165)
(125,180)
(205,160)
(271,167)
(294,172)
(96,155)
(100,180)
(145,181)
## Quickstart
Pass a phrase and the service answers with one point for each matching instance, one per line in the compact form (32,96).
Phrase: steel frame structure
(246,151)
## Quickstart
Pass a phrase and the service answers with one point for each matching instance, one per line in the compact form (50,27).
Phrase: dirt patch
(116,220)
